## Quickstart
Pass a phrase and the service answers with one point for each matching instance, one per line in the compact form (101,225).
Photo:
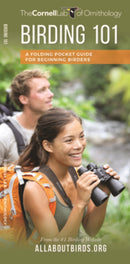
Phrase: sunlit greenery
(83,109)
(116,227)
(120,88)
(107,87)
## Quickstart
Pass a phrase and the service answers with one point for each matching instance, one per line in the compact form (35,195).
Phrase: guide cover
(84,47)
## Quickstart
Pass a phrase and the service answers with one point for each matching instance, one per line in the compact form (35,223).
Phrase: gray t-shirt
(8,145)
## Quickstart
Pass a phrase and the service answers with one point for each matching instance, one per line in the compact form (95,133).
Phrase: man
(30,90)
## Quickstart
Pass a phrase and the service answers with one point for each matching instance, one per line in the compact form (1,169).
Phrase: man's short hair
(20,84)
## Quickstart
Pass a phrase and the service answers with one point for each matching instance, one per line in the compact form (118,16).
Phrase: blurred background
(100,94)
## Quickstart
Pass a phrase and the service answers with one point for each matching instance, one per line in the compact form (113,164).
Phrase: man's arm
(8,146)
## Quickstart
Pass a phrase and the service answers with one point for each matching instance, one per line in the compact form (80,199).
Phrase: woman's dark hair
(48,127)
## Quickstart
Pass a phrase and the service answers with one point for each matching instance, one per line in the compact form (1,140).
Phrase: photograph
(64,131)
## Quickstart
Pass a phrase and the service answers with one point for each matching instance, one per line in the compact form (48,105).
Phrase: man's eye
(42,90)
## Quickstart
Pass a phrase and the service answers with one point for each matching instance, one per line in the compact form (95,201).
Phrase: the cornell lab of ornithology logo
(72,12)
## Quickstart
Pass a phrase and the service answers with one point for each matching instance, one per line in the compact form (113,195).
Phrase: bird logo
(71,10)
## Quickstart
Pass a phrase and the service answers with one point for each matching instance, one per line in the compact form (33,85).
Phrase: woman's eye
(68,140)
(82,136)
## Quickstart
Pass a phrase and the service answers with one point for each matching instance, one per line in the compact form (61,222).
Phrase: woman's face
(68,146)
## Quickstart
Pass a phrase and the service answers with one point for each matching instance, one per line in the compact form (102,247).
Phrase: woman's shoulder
(33,194)
(33,188)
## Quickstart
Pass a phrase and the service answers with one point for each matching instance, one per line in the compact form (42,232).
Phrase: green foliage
(119,91)
(120,83)
(116,226)
(67,72)
(3,86)
(83,109)
(96,79)
(121,212)
(107,85)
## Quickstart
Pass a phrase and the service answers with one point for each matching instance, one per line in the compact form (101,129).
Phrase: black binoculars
(114,185)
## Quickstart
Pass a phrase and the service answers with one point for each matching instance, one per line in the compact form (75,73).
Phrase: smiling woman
(57,130)
(56,147)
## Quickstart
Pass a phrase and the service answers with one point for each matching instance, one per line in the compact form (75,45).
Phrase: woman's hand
(85,184)
(112,173)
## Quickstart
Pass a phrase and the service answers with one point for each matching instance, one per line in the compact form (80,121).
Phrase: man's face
(40,97)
